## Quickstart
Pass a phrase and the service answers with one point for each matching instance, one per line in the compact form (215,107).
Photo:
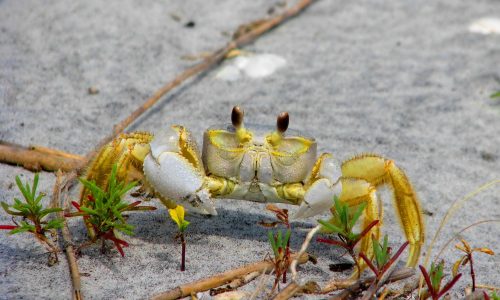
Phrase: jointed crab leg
(127,151)
(377,171)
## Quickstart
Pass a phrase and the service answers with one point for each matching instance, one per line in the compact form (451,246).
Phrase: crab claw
(322,184)
(174,169)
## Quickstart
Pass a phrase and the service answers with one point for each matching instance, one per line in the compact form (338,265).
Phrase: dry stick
(288,292)
(37,158)
(303,248)
(209,62)
(70,254)
(349,287)
(236,283)
(220,279)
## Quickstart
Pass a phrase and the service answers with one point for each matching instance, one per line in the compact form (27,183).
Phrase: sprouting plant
(433,281)
(493,296)
(467,259)
(177,215)
(104,209)
(383,262)
(282,216)
(342,223)
(281,259)
(495,95)
(33,217)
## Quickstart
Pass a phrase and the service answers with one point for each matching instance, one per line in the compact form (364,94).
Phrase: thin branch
(38,158)
(68,244)
(236,283)
(288,292)
(350,287)
(303,248)
(220,279)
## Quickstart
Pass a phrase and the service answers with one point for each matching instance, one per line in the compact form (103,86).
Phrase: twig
(209,62)
(70,253)
(350,287)
(36,158)
(288,292)
(220,279)
(236,283)
(303,248)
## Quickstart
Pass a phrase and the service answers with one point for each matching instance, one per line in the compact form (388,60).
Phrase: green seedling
(342,223)
(493,296)
(282,216)
(433,280)
(383,262)
(177,215)
(281,258)
(104,212)
(34,216)
(467,259)
(495,95)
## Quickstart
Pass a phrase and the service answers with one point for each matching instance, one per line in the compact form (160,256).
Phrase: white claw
(174,177)
(318,199)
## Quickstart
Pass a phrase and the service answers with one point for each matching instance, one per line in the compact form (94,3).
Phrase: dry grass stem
(68,243)
(303,248)
(220,279)
(288,292)
(350,286)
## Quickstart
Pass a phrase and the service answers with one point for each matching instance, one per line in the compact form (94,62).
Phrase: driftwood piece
(220,279)
(37,158)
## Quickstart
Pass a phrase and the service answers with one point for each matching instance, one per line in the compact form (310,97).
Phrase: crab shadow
(243,225)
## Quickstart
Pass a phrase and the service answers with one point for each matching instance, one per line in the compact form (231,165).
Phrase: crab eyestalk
(281,126)
(237,115)
(282,122)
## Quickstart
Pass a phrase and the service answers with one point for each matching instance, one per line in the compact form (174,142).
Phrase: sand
(404,79)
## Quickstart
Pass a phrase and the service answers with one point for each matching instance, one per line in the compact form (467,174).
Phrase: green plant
(343,220)
(281,258)
(467,259)
(495,95)
(177,215)
(104,209)
(282,217)
(33,217)
(433,281)
(383,263)
(494,296)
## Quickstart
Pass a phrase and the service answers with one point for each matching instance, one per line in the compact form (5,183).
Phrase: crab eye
(237,116)
(282,122)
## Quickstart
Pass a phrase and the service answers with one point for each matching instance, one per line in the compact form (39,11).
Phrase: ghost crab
(261,164)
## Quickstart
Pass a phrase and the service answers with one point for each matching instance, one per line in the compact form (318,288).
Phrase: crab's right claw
(174,170)
(322,185)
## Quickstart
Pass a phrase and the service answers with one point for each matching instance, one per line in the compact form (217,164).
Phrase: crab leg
(128,152)
(354,192)
(377,171)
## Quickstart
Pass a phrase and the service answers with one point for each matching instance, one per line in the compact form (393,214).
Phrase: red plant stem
(8,227)
(394,257)
(427,279)
(472,274)
(183,255)
(448,286)
(369,263)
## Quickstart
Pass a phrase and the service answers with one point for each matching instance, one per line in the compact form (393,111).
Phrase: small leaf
(484,250)
(456,265)
(495,95)
(330,227)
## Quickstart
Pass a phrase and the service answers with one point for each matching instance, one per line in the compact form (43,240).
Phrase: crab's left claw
(175,171)
(322,184)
